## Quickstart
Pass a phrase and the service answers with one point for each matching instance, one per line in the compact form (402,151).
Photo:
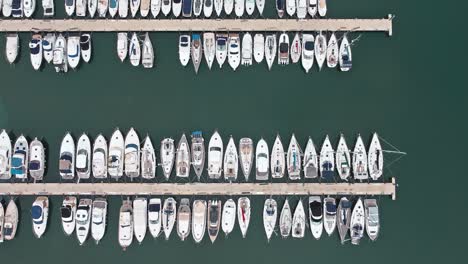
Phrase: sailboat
(83,219)
(320,49)
(345,57)
(262,161)
(207,8)
(40,215)
(310,160)
(123,8)
(246,49)
(329,215)
(293,159)
(83,157)
(221,48)
(122,45)
(169,216)
(332,52)
(375,158)
(214,219)
(285,221)
(148,159)
(5,156)
(196,51)
(291,7)
(209,48)
(296,49)
(36,160)
(92,7)
(183,219)
(316,216)
(155,7)
(12,46)
(270,212)
(312,8)
(270,50)
(184,49)
(99,162)
(298,223)
(228,216)
(283,50)
(35,47)
(243,214)
(176,7)
(183,158)
(67,213)
(360,160)
(302,9)
(215,156)
(372,218)
(231,163)
(357,222)
(167,156)
(249,7)
(198,220)
(278,159)
(10,224)
(115,164)
(134,7)
(154,216)
(135,50)
(140,218)
(99,219)
(228,7)
(343,159)
(343,218)
(73,50)
(246,155)
(322,7)
(126,224)
(239,7)
(19,158)
(327,160)
(234,50)
(218,6)
(148,54)
(259,47)
(198,152)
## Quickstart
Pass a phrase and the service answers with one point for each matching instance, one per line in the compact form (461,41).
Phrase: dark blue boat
(280,7)
(17,8)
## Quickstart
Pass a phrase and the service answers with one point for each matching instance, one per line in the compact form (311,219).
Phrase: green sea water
(395,88)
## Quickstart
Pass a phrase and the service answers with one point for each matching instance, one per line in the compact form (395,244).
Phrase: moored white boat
(316,216)
(327,160)
(19,158)
(332,52)
(228,6)
(283,49)
(231,163)
(80,8)
(246,155)
(234,50)
(343,159)
(197,7)
(92,7)
(320,49)
(280,6)
(99,157)
(122,45)
(310,160)
(145,8)
(183,158)
(83,219)
(301,9)
(167,156)
(270,212)
(329,215)
(293,159)
(360,160)
(99,219)
(67,213)
(148,159)
(83,157)
(322,7)
(260,6)
(29,6)
(147,57)
(154,216)
(6,8)
(113,7)
(215,156)
(5,156)
(40,215)
(132,155)
(262,161)
(278,159)
(183,219)
(243,214)
(115,164)
(259,47)
(103,7)
(298,222)
(296,49)
(48,47)
(345,57)
(123,8)
(357,222)
(198,220)
(140,218)
(285,220)
(155,7)
(10,224)
(247,49)
(343,218)
(207,8)
(35,47)
(213,219)
(12,46)
(196,51)
(70,7)
(312,8)
(134,7)
(218,7)
(198,152)
(135,50)
(375,158)
(239,7)
(291,7)
(270,50)
(166,7)
(184,49)
(85,46)
(36,160)
(209,48)
(60,54)
(168,216)
(249,7)
(372,218)
(126,224)
(176,7)
(228,216)
(221,48)
(73,50)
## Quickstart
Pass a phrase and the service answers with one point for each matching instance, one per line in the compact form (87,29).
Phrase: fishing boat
(60,54)
(343,159)
(85,46)
(283,50)
(262,161)
(10,223)
(247,49)
(234,50)
(19,158)
(221,48)
(298,222)
(278,159)
(218,7)
(134,7)
(98,219)
(260,6)
(2,217)
(140,218)
(329,215)
(327,160)
(198,152)
(99,161)
(243,214)
(290,7)
(345,58)
(231,163)
(285,221)
(145,8)
(134,50)
(259,47)
(167,156)
(148,159)
(197,7)
(126,224)
(115,163)
(270,212)
(249,7)
(132,155)
(357,222)
(270,50)
(73,50)
(183,158)
(320,49)
(293,159)
(122,45)
(228,6)
(40,214)
(207,8)
(196,51)
(5,156)
(312,8)
(6,9)
(372,218)
(296,49)
(183,219)
(360,160)
(198,220)
(280,7)
(48,47)
(83,157)
(375,158)
(186,8)
(176,7)
(103,6)
(343,216)
(316,216)
(154,217)
(147,58)
(12,46)
(36,160)
(301,9)
(246,153)
(155,7)
(29,6)
(209,48)
(310,160)
(168,216)
(215,156)
(35,47)
(214,218)
(83,219)
(322,7)
(92,7)
(113,7)
(67,213)
(239,7)
(70,7)
(332,52)
(184,49)
(166,7)
(123,8)
(228,216)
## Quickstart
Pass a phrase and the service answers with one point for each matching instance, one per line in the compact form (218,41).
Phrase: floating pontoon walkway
(187,25)
(199,188)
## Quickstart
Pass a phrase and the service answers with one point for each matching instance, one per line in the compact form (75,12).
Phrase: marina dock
(187,25)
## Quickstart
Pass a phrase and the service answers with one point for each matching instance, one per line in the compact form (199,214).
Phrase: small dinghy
(134,7)
(375,158)
(140,218)
(19,158)
(134,50)
(298,223)
(231,163)
(148,53)
(148,159)
(215,156)
(229,216)
(310,160)
(80,9)
(357,222)
(145,8)
(186,8)
(228,7)
(247,49)
(176,7)
(234,51)
(92,7)
(285,221)
(249,7)
(320,49)
(270,50)
(85,45)
(73,51)
(169,216)
(67,213)
(48,47)
(198,220)
(283,50)
(372,218)
(36,160)
(197,7)
(167,156)
(218,7)
(70,7)
(60,54)
(243,214)
(293,159)
(10,223)
(166,7)
(260,6)
(99,219)
(316,216)
(332,52)
(35,47)
(296,49)
(83,157)
(262,161)
(221,48)
(270,211)
(322,7)
(280,7)
(12,46)
(83,220)
(184,49)
(115,163)
(154,217)
(209,48)
(132,155)
(239,7)
(122,45)
(155,7)
(103,6)
(113,7)
(196,51)
(345,59)
(259,47)
(329,215)
(5,157)
(99,161)
(198,152)
(291,7)
(123,8)
(48,7)
(183,219)
(360,160)
(126,224)
(327,160)
(40,215)
(343,159)
(302,9)
(312,8)
(246,155)
(214,219)
(344,218)
(183,158)
(207,8)
(278,159)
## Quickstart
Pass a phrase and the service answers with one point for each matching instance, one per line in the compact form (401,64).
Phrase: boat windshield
(316,208)
(36,213)
(70,3)
(84,42)
(284,47)
(213,215)
(373,218)
(221,42)
(34,165)
(309,45)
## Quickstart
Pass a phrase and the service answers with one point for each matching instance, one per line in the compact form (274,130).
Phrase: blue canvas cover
(36,212)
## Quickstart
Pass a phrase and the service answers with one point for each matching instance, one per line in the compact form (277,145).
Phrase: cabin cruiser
(357,222)
(166,7)
(73,51)
(126,224)
(228,6)
(155,7)
(249,7)
(228,216)
(312,8)
(98,219)
(296,49)
(67,212)
(35,47)
(262,161)
(5,156)
(247,49)
(148,159)
(278,159)
(283,50)
(221,48)
(122,45)
(115,164)
(234,51)
(29,6)
(316,216)
(19,158)
(209,48)
(60,58)
(207,8)
(40,214)
(198,152)
(12,46)
(215,156)
(113,7)
(10,223)
(270,211)
(291,7)
(246,155)
(243,214)
(48,47)
(345,57)
(176,7)
(196,51)
(36,160)
(99,162)
(327,160)
(183,219)
(375,158)
(214,218)
(293,159)
(83,219)
(167,156)
(301,9)
(85,46)
(270,50)
(285,221)
(134,50)
(307,57)
(239,7)
(360,160)
(83,157)
(329,215)
(298,222)
(343,218)
(123,8)
(198,220)
(184,49)
(231,163)
(372,218)
(168,216)
(154,216)
(310,160)
(140,218)
(183,158)
(332,52)
(218,6)
(132,155)
(259,47)
(343,159)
